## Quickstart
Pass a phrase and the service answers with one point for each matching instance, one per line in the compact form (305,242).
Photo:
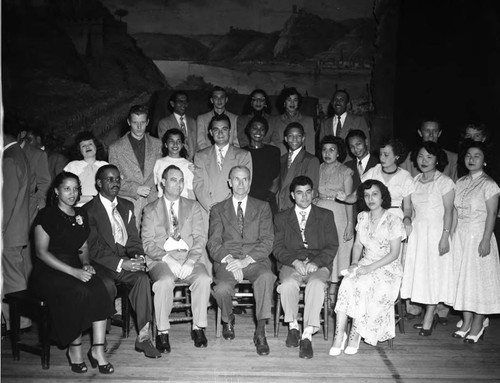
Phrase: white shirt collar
(296,152)
(224,149)
(298,210)
(243,204)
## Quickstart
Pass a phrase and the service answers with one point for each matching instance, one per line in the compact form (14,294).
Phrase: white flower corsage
(79,220)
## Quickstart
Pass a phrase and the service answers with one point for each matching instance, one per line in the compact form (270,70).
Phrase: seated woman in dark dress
(265,162)
(64,277)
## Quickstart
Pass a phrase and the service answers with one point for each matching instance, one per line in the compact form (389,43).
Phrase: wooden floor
(438,358)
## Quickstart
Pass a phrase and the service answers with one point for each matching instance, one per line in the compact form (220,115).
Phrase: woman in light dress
(368,292)
(428,264)
(334,176)
(175,153)
(476,266)
(86,168)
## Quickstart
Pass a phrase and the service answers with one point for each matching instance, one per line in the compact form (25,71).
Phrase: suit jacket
(224,237)
(353,165)
(202,122)
(15,197)
(102,246)
(351,122)
(278,124)
(320,233)
(450,170)
(210,184)
(156,228)
(170,122)
(305,164)
(39,165)
(122,155)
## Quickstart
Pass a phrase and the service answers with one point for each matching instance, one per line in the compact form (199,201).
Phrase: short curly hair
(368,184)
(398,148)
(338,142)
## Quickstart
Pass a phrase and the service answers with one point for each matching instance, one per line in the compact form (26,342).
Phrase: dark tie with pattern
(303,228)
(174,230)
(339,126)
(240,219)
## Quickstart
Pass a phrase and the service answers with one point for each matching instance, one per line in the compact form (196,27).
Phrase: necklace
(383,171)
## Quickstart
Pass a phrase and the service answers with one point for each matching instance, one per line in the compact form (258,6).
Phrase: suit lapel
(292,221)
(104,224)
(213,168)
(150,156)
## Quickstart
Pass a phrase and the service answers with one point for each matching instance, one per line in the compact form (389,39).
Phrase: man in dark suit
(239,242)
(297,162)
(305,245)
(116,250)
(174,236)
(16,175)
(342,122)
(179,102)
(357,143)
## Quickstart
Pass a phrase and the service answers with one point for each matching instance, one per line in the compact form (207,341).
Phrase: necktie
(220,159)
(360,168)
(302,225)
(183,126)
(174,224)
(240,219)
(339,127)
(290,159)
(119,231)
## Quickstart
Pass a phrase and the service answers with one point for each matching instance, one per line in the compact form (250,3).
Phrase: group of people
(229,198)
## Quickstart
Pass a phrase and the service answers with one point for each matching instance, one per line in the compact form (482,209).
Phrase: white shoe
(486,322)
(336,351)
(351,350)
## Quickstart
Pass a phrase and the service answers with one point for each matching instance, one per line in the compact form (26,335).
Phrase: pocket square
(129,216)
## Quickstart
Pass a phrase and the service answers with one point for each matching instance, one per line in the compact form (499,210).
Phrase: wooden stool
(25,304)
(324,312)
(122,292)
(241,298)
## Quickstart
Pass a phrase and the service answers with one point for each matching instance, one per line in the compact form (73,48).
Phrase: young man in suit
(239,242)
(214,163)
(342,122)
(297,162)
(357,143)
(16,222)
(178,103)
(305,245)
(116,251)
(219,100)
(174,238)
(135,154)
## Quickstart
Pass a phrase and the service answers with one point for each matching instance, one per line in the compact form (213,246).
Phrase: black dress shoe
(261,345)
(293,338)
(162,343)
(198,335)
(146,346)
(306,349)
(228,329)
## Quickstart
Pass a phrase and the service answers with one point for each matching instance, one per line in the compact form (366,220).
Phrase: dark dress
(73,304)
(266,167)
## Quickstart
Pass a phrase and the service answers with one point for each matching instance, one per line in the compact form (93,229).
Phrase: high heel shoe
(351,350)
(460,334)
(428,332)
(79,368)
(335,351)
(486,322)
(103,369)
(474,338)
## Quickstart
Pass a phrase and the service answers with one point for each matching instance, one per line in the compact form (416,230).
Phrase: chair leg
(14,321)
(391,343)
(401,321)
(125,316)
(45,338)
(277,315)
(218,327)
(325,313)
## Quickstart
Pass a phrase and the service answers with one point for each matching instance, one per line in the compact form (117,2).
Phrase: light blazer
(39,165)
(122,155)
(156,228)
(170,122)
(305,164)
(102,246)
(202,121)
(15,197)
(320,233)
(353,165)
(210,184)
(224,237)
(351,122)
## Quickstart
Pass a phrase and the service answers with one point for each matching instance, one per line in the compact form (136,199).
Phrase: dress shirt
(176,208)
(222,150)
(295,153)
(364,161)
(299,216)
(108,206)
(243,205)
(178,118)
(335,121)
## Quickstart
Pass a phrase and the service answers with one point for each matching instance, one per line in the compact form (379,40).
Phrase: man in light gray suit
(135,155)
(179,102)
(219,100)
(214,163)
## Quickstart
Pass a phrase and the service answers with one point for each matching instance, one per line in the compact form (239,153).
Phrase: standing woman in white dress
(427,277)
(476,266)
(86,167)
